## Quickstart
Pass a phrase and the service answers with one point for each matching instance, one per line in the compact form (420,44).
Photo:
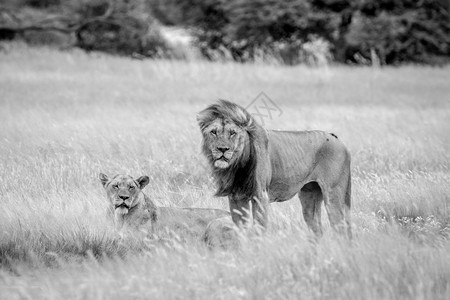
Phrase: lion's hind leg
(337,204)
(311,199)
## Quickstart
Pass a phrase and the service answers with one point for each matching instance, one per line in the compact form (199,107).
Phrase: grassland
(66,116)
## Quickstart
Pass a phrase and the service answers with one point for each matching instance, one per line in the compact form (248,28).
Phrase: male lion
(258,166)
(132,209)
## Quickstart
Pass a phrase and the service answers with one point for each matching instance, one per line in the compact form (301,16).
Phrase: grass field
(66,116)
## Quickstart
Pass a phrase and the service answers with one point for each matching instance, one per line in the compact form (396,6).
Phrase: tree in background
(401,30)
(355,31)
(394,30)
(206,18)
(121,27)
(115,26)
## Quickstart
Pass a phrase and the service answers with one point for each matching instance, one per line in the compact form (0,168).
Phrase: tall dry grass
(66,116)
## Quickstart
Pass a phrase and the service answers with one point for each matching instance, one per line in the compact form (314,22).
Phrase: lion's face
(224,141)
(123,191)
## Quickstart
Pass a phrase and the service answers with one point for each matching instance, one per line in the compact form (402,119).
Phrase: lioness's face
(225,141)
(122,190)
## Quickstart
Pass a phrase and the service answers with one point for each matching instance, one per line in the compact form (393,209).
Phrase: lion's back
(304,146)
(190,221)
(297,157)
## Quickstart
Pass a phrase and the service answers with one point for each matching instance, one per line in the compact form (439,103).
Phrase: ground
(66,116)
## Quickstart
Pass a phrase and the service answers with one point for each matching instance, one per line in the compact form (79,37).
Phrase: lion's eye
(116,186)
(214,132)
(232,132)
(131,187)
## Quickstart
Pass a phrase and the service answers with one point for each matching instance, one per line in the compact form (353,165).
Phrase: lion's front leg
(260,206)
(240,210)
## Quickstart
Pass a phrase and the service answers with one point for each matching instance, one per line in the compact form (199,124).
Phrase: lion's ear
(201,118)
(103,178)
(143,181)
(206,116)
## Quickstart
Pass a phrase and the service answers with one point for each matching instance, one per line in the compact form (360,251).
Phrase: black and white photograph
(225,149)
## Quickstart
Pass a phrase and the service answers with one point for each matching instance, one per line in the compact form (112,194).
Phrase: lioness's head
(224,126)
(123,191)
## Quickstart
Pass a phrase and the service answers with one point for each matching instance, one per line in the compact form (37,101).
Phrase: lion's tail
(348,204)
(348,192)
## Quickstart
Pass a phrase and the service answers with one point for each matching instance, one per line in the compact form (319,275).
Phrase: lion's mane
(241,177)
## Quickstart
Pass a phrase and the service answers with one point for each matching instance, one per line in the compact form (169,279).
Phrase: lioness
(258,166)
(129,205)
(133,209)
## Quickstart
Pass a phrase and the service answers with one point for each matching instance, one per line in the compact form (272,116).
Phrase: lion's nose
(223,149)
(123,197)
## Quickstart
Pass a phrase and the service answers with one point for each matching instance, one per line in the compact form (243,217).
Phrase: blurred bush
(402,30)
(115,26)
(41,3)
(389,31)
(288,31)
(122,27)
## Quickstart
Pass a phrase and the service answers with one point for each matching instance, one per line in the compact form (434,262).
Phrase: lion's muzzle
(222,162)
(222,158)
(123,204)
(227,154)
(122,208)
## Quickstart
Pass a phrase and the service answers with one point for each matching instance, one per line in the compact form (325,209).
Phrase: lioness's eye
(214,132)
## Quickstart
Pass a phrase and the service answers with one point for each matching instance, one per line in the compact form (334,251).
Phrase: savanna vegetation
(66,116)
(289,32)
(356,30)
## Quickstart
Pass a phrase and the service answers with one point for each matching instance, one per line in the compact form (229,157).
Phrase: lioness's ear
(143,181)
(103,179)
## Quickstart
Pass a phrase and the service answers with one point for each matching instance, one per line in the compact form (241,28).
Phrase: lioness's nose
(123,197)
(223,149)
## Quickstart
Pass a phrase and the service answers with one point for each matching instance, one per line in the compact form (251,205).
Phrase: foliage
(123,27)
(114,26)
(388,31)
(42,3)
(398,31)
(401,31)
